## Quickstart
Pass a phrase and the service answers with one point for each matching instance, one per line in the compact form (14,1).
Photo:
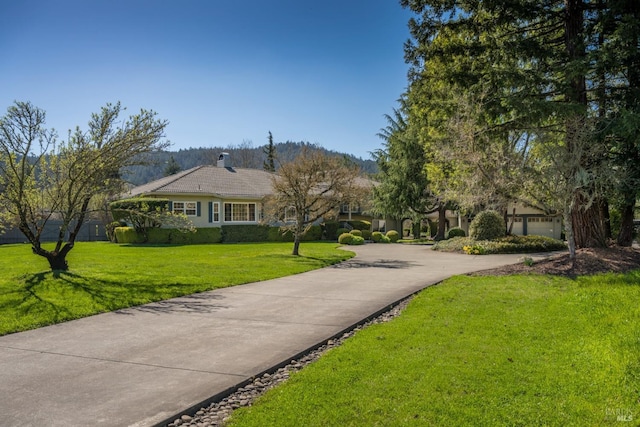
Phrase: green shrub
(357,240)
(385,239)
(345,238)
(502,245)
(393,236)
(376,236)
(159,235)
(487,225)
(455,232)
(245,233)
(128,235)
(356,232)
(366,234)
(277,234)
(360,225)
(330,229)
(135,211)
(433,227)
(313,233)
(341,231)
(110,230)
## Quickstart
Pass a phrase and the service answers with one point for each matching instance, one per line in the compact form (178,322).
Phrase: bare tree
(310,187)
(43,180)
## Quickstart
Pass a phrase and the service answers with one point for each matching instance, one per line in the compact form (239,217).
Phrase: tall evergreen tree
(172,167)
(270,151)
(547,68)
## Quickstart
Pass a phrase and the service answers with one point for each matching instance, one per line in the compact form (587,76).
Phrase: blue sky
(222,72)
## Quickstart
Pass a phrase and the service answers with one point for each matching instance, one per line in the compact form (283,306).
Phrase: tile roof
(211,180)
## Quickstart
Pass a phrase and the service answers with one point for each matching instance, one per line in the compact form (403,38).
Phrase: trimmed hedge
(276,235)
(313,233)
(455,232)
(360,225)
(128,235)
(245,233)
(174,236)
(356,232)
(366,234)
(350,239)
(393,236)
(225,234)
(345,238)
(330,229)
(341,231)
(120,209)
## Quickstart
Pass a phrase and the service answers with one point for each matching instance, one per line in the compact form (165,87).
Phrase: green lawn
(482,351)
(105,276)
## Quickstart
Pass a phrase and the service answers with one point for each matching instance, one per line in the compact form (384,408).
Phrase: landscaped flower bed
(501,245)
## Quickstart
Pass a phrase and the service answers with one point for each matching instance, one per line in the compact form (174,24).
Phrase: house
(527,221)
(532,221)
(210,195)
(213,196)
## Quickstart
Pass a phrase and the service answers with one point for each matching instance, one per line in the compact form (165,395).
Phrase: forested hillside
(242,156)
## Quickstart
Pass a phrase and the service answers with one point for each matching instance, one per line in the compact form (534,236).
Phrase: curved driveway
(142,365)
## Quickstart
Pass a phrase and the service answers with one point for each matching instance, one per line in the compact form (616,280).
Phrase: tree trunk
(606,218)
(566,216)
(296,245)
(625,237)
(586,221)
(587,225)
(57,259)
(442,222)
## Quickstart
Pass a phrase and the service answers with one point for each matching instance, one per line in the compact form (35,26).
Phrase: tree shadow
(202,303)
(381,263)
(48,297)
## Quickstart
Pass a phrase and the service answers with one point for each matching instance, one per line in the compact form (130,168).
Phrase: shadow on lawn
(53,297)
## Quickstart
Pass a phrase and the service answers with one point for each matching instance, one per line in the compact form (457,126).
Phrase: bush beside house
(224,234)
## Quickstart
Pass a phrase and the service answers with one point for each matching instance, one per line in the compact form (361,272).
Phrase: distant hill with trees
(244,155)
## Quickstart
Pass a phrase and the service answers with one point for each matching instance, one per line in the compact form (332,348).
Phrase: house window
(290,214)
(216,212)
(240,212)
(349,208)
(187,208)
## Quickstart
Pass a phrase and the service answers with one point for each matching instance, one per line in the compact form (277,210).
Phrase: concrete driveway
(143,365)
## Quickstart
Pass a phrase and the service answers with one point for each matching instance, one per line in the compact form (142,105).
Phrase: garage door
(540,226)
(517,226)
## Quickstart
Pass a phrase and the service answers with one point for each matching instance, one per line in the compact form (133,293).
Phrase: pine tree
(270,151)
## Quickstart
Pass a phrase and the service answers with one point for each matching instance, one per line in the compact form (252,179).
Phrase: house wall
(205,214)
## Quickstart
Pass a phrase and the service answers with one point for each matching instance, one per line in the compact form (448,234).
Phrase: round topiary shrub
(376,236)
(456,232)
(357,240)
(356,232)
(393,236)
(345,238)
(341,231)
(366,234)
(487,225)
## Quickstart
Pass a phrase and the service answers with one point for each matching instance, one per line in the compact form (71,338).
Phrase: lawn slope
(513,350)
(105,277)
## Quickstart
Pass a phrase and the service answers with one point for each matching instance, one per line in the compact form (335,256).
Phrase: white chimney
(224,160)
